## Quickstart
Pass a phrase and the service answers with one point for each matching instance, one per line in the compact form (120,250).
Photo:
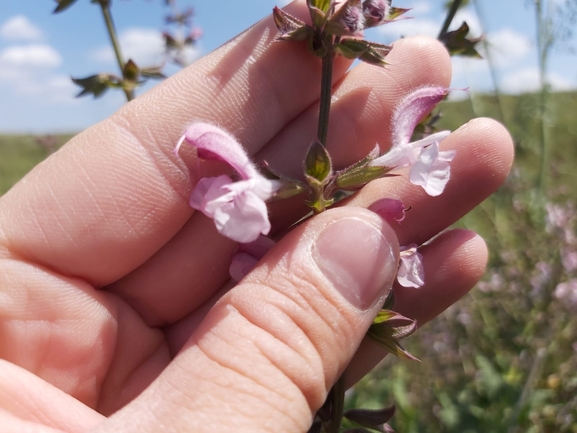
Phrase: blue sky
(39,51)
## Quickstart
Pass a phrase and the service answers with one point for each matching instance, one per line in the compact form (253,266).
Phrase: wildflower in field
(237,207)
(429,167)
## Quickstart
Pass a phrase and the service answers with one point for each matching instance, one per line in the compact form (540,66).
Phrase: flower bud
(375,11)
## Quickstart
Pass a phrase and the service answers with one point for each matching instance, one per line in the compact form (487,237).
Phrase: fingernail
(357,259)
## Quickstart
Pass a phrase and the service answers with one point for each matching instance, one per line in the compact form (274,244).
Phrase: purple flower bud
(376,11)
(389,209)
(348,20)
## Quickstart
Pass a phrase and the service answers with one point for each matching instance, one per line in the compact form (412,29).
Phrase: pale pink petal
(389,209)
(214,143)
(407,154)
(243,219)
(241,265)
(411,272)
(432,170)
(257,248)
(412,109)
(207,191)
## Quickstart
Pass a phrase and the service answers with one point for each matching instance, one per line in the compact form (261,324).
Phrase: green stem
(337,397)
(449,18)
(544,42)
(326,94)
(105,7)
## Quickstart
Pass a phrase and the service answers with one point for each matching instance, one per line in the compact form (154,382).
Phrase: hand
(115,308)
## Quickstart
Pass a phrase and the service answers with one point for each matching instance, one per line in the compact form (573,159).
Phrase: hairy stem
(115,44)
(337,397)
(326,94)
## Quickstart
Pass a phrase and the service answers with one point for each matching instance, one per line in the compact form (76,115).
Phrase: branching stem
(105,7)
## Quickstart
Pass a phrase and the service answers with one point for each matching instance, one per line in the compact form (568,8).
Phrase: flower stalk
(105,7)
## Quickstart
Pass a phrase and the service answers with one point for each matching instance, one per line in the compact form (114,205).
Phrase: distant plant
(131,75)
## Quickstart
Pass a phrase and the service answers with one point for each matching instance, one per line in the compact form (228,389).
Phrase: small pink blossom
(238,208)
(429,167)
(247,256)
(567,292)
(389,209)
(411,271)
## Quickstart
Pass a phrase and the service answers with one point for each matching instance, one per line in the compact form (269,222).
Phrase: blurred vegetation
(503,359)
(20,153)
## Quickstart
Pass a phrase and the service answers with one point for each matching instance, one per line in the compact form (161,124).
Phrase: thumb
(268,352)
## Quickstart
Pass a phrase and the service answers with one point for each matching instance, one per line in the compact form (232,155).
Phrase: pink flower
(247,256)
(238,208)
(429,167)
(389,209)
(411,271)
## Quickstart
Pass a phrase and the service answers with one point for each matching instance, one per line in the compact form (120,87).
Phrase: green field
(504,359)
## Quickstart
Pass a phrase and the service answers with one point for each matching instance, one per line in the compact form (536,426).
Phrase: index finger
(116,193)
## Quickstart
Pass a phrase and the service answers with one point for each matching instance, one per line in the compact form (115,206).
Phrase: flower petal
(208,191)
(241,265)
(432,170)
(243,219)
(411,109)
(216,144)
(411,272)
(389,209)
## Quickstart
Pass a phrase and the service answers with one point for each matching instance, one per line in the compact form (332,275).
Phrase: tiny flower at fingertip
(411,272)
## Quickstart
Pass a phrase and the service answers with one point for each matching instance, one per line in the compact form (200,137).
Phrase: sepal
(457,43)
(388,328)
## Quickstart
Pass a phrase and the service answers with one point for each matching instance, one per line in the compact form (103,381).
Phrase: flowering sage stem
(105,7)
(326,94)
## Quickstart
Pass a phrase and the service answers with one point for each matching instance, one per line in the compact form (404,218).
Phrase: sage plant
(238,203)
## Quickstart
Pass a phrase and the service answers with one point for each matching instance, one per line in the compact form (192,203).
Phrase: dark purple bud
(376,11)
(348,20)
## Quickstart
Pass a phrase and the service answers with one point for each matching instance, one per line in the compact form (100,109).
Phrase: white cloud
(29,56)
(144,46)
(410,27)
(420,8)
(508,47)
(19,27)
(527,80)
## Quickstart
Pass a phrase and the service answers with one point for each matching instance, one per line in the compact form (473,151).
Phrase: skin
(116,311)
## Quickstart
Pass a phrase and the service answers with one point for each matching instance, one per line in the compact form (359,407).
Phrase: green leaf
(318,164)
(371,418)
(290,28)
(63,5)
(353,178)
(388,328)
(383,335)
(96,85)
(369,52)
(458,44)
(152,72)
(395,13)
(322,5)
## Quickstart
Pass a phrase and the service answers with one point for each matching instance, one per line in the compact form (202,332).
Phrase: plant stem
(449,18)
(115,44)
(544,42)
(337,397)
(326,94)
